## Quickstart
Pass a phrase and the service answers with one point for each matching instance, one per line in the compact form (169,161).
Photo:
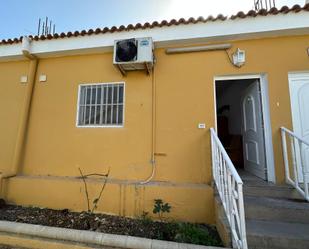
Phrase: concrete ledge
(117,181)
(222,225)
(127,200)
(90,238)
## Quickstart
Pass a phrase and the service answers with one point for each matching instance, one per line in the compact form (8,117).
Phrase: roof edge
(180,35)
(130,27)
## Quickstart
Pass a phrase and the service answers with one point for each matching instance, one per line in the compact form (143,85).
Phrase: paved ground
(10,247)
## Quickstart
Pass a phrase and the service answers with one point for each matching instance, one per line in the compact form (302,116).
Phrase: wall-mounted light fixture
(239,58)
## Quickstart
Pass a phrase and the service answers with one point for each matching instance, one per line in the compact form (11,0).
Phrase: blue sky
(20,17)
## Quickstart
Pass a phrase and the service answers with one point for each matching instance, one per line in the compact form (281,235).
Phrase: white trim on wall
(269,151)
(101,126)
(216,31)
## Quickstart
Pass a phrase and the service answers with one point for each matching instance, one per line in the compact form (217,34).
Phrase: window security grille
(101,105)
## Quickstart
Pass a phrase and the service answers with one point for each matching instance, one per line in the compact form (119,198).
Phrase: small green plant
(160,208)
(167,231)
(196,234)
(145,218)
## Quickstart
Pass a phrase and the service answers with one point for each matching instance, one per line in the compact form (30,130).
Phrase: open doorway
(240,124)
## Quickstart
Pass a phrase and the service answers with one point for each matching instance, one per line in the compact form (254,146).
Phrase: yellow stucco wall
(55,148)
(11,97)
(125,199)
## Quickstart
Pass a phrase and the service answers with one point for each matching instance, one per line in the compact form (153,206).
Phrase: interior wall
(229,92)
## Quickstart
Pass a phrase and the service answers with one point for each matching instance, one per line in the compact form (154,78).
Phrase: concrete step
(277,235)
(275,209)
(275,191)
(277,216)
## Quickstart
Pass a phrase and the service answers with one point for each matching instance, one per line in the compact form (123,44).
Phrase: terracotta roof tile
(240,15)
(131,26)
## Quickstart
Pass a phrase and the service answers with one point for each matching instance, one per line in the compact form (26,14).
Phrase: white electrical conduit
(86,237)
(173,51)
(198,49)
(153,132)
(152,173)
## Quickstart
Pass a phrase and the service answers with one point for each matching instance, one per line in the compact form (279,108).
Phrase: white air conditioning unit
(134,54)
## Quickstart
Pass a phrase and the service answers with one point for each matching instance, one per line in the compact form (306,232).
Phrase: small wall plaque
(43,78)
(23,79)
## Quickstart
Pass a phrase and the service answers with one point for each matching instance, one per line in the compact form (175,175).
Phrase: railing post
(230,196)
(285,156)
(221,178)
(303,166)
(295,169)
(226,190)
(241,209)
(306,174)
(213,159)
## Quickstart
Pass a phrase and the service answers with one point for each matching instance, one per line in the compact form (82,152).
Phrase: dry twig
(95,201)
(86,189)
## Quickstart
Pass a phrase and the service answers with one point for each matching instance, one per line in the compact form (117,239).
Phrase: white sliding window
(101,105)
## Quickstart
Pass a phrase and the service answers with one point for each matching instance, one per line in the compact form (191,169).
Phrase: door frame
(292,76)
(269,151)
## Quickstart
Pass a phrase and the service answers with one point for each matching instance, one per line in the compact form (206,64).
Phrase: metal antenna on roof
(50,26)
(264,4)
(45,27)
(39,26)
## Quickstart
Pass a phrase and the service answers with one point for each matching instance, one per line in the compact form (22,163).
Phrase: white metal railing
(230,189)
(298,148)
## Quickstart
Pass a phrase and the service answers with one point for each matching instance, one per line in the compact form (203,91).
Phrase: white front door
(299,93)
(253,132)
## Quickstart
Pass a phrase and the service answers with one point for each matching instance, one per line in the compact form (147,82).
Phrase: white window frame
(100,126)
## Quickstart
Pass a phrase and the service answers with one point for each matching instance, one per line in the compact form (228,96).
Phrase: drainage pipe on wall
(25,110)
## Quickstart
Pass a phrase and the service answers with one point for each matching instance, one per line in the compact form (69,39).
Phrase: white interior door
(299,92)
(253,132)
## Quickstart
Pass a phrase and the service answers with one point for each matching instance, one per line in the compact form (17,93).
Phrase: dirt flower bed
(144,227)
(10,247)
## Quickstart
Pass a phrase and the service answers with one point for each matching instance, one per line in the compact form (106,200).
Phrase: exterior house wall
(11,99)
(55,148)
